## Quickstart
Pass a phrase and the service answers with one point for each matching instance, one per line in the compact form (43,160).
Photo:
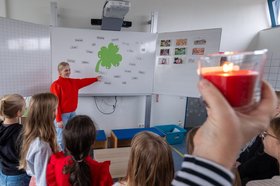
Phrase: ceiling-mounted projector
(113,15)
(116,9)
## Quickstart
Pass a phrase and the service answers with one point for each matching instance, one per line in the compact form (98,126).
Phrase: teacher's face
(65,72)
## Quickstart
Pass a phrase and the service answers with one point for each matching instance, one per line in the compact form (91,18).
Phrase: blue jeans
(65,118)
(16,180)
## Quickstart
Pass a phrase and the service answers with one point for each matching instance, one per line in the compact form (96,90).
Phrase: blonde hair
(62,65)
(275,126)
(10,105)
(40,123)
(237,179)
(277,92)
(189,139)
(150,161)
(277,110)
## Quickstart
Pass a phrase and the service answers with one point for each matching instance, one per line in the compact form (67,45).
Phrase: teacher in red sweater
(66,89)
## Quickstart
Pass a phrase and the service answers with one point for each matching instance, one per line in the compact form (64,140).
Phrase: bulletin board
(125,60)
(24,57)
(196,112)
(176,55)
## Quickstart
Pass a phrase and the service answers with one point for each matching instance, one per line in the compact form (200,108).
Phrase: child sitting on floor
(150,161)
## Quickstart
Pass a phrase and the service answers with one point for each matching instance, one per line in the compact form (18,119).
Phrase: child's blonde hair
(277,110)
(62,65)
(275,126)
(40,123)
(150,161)
(10,105)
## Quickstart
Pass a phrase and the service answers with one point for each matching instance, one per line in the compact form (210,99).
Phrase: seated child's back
(75,166)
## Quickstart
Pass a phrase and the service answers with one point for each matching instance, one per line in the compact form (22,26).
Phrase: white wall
(270,39)
(2,8)
(168,109)
(240,21)
(129,111)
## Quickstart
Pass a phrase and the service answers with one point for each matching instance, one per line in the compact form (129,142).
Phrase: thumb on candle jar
(213,97)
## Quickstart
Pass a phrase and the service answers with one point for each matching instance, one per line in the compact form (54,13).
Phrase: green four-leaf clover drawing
(108,56)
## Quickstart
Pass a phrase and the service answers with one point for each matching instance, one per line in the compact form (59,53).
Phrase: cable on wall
(104,102)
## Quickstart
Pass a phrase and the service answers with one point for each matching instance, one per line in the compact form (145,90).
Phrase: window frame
(274,22)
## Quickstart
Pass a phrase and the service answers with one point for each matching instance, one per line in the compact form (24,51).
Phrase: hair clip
(79,161)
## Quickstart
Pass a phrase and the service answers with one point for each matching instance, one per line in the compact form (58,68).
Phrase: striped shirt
(197,171)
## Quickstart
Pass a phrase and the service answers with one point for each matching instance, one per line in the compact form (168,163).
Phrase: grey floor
(177,152)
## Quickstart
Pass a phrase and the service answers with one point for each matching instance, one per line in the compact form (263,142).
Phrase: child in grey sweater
(39,137)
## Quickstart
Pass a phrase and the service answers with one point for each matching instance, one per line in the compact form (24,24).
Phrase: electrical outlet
(141,125)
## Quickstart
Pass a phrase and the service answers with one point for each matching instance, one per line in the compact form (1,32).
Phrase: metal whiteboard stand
(153,22)
(54,14)
(153,29)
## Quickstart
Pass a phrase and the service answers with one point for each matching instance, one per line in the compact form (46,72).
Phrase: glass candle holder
(237,75)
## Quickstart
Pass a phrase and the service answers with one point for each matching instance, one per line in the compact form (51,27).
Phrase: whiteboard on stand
(269,39)
(176,54)
(125,60)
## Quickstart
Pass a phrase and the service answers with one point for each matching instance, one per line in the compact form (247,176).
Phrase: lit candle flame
(227,67)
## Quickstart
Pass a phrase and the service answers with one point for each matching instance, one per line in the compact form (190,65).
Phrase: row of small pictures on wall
(175,60)
(181,51)
(181,42)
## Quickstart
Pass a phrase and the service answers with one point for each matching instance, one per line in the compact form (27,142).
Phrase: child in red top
(76,167)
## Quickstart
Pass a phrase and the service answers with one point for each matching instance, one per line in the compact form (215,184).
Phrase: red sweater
(100,175)
(67,89)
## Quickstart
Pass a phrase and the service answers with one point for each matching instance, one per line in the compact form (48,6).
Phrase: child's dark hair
(79,137)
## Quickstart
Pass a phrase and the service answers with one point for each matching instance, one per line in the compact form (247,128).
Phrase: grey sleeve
(41,160)
(37,159)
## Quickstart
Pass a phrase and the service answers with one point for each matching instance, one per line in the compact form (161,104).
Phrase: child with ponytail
(75,167)
(11,108)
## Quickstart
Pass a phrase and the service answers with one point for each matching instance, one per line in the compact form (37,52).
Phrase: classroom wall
(2,8)
(129,112)
(270,40)
(240,22)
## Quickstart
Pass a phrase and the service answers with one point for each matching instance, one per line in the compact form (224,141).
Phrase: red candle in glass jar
(237,86)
